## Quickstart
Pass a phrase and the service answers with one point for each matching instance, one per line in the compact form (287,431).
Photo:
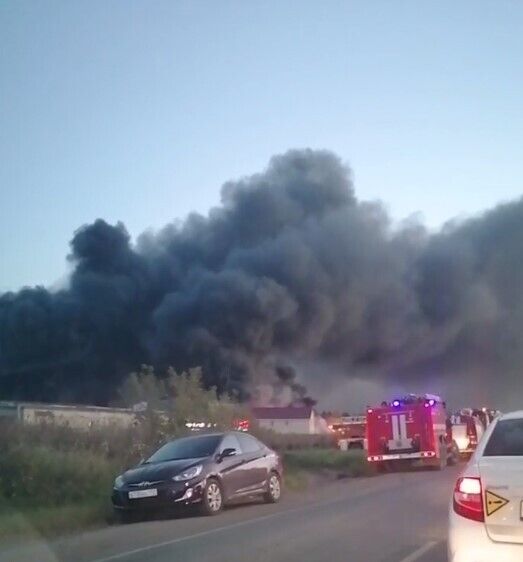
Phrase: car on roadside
(486,510)
(207,470)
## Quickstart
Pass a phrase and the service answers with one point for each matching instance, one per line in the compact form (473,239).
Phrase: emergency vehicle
(349,431)
(409,431)
(468,426)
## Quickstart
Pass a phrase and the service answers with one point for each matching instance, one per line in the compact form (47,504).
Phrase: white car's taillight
(468,498)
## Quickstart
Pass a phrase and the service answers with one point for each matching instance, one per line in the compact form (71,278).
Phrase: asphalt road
(390,518)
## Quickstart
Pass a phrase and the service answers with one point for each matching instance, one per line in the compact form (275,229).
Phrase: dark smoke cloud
(289,269)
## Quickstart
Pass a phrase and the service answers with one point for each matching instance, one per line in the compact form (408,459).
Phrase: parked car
(486,511)
(209,470)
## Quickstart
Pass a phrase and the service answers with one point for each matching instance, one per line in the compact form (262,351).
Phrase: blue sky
(139,110)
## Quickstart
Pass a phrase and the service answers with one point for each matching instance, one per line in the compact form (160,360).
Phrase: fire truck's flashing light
(428,401)
(242,425)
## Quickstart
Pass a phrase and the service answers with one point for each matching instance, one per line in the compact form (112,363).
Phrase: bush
(347,463)
(292,441)
(49,521)
(38,476)
(112,443)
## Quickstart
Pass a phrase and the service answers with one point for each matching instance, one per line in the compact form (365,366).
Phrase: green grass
(40,476)
(47,491)
(296,480)
(346,463)
(51,521)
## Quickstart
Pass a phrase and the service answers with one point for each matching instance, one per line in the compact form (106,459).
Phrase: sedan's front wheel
(273,493)
(212,501)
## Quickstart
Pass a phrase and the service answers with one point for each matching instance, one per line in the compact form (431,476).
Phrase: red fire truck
(408,431)
(349,431)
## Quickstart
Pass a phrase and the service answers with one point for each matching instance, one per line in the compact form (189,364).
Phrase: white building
(290,419)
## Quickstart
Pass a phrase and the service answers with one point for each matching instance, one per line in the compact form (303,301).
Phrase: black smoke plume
(290,268)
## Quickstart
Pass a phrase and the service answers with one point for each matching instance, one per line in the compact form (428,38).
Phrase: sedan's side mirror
(229,452)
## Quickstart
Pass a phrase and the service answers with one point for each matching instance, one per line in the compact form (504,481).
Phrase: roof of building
(282,413)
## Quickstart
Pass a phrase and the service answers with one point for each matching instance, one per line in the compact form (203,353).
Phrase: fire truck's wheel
(443,455)
(383,467)
(395,466)
(453,457)
(441,463)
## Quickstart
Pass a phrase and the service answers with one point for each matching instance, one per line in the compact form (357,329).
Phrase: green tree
(175,400)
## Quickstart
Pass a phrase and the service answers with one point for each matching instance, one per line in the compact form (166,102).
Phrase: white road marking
(200,534)
(417,554)
(321,504)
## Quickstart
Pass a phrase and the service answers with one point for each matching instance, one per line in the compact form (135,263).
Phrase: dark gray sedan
(209,470)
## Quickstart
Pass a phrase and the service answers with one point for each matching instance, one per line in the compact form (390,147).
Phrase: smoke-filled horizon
(290,270)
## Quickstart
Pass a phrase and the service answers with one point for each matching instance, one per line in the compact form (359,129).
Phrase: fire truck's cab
(349,431)
(412,430)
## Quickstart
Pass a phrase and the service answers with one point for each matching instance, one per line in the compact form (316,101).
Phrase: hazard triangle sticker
(494,502)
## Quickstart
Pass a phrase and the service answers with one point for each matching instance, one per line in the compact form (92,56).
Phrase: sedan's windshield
(187,448)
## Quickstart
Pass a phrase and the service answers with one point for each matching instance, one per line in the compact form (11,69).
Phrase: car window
(506,439)
(230,442)
(249,444)
(186,448)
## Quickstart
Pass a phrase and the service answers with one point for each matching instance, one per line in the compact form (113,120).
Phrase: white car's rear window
(506,439)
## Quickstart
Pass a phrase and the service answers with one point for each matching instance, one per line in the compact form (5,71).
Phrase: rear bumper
(397,456)
(468,542)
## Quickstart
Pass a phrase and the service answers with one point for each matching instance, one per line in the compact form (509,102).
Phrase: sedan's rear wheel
(273,493)
(212,501)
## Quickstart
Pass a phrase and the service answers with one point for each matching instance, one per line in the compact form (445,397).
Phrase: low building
(78,417)
(290,419)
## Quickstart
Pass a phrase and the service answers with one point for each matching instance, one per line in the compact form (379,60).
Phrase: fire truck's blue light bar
(395,403)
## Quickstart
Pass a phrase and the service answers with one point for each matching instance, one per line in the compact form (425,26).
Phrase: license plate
(136,494)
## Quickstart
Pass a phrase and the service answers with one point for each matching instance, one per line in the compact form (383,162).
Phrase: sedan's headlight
(118,482)
(188,474)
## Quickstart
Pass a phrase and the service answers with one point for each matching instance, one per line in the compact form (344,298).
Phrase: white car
(486,510)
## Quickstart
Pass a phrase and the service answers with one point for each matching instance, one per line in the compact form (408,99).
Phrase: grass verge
(54,481)
(296,480)
(341,463)
(36,522)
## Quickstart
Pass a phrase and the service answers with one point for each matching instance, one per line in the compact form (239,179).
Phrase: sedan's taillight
(468,498)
